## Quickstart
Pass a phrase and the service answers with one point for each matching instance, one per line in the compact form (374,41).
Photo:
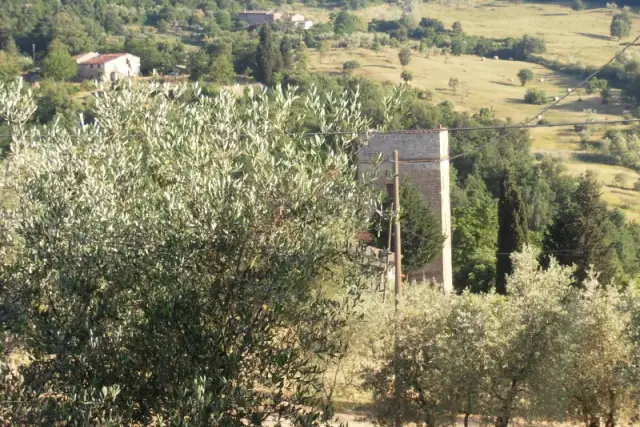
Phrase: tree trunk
(611,420)
(502,421)
(591,421)
(431,422)
(611,415)
(466,420)
(505,416)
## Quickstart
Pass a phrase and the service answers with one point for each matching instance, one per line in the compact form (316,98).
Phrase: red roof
(103,58)
(256,12)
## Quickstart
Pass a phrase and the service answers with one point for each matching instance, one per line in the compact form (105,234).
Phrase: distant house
(259,17)
(298,21)
(108,66)
(297,18)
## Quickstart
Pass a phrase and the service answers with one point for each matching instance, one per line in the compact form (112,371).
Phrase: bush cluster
(546,350)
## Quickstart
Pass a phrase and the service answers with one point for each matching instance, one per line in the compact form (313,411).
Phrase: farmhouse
(296,18)
(259,17)
(108,66)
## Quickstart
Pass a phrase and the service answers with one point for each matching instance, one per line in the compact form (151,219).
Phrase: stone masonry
(420,154)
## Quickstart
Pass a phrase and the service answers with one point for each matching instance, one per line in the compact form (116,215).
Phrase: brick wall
(420,153)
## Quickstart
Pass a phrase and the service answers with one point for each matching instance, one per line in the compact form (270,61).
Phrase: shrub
(578,5)
(345,23)
(525,76)
(621,25)
(406,76)
(426,94)
(349,66)
(458,46)
(535,96)
(530,45)
(532,354)
(404,56)
(454,83)
(594,85)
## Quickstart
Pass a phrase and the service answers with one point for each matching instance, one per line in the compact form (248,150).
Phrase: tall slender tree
(422,237)
(513,231)
(267,56)
(286,50)
(580,234)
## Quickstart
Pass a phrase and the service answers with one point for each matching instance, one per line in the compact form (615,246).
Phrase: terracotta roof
(85,56)
(102,59)
(256,12)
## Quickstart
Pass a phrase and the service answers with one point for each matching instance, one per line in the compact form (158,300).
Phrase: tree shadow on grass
(594,158)
(515,100)
(504,83)
(380,66)
(595,36)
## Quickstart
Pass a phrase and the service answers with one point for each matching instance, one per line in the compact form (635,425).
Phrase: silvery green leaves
(547,350)
(170,248)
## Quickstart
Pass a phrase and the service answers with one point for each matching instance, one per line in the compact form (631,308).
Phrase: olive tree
(599,374)
(525,76)
(404,56)
(529,343)
(484,354)
(160,265)
(621,25)
(410,378)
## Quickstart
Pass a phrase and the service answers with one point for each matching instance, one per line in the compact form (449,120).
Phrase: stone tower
(421,153)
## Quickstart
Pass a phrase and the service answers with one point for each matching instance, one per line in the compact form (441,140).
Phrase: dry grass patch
(571,36)
(483,84)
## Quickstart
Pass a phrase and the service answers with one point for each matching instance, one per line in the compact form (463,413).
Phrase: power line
(465,129)
(549,107)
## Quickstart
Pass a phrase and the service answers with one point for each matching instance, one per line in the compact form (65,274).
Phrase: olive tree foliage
(548,350)
(160,265)
(601,367)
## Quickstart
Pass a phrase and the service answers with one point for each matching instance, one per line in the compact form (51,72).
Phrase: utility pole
(396,218)
(33,52)
(398,387)
(389,241)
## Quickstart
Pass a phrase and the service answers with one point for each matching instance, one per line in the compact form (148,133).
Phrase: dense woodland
(226,302)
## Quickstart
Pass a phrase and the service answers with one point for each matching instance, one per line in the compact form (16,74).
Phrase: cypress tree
(422,237)
(286,50)
(580,234)
(267,56)
(513,230)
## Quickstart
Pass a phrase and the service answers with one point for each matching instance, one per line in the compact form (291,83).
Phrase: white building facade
(108,66)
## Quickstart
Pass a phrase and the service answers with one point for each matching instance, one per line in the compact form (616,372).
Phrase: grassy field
(571,36)
(494,84)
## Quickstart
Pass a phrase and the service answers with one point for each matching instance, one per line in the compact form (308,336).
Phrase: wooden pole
(389,240)
(398,387)
(396,217)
